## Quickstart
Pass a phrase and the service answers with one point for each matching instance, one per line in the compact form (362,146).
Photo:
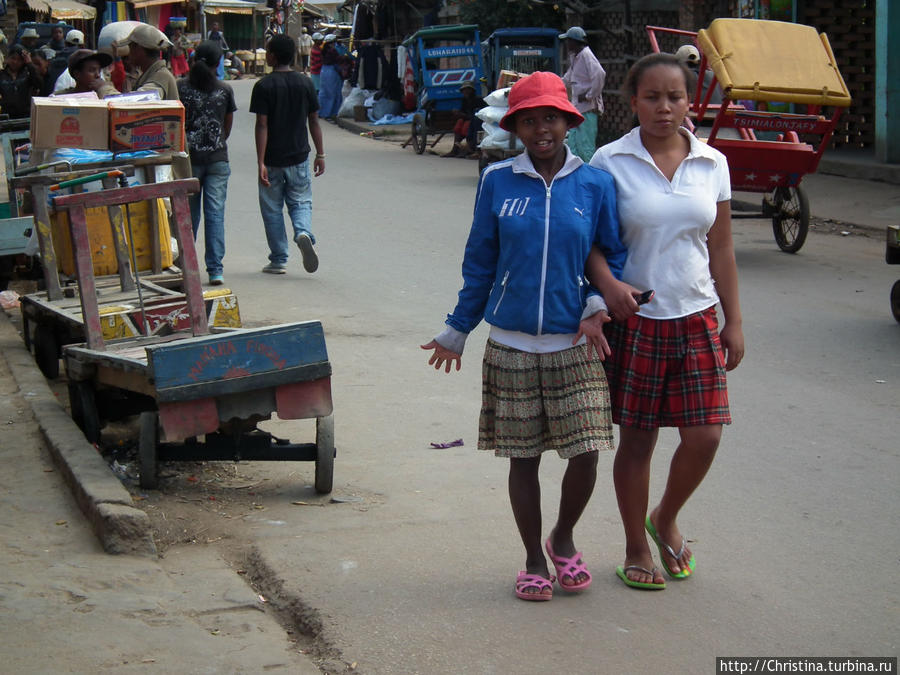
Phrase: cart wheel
(419,134)
(83,402)
(895,300)
(790,217)
(148,443)
(46,351)
(325,454)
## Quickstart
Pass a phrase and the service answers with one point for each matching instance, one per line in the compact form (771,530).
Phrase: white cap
(30,33)
(148,37)
(318,36)
(331,37)
(75,37)
(688,54)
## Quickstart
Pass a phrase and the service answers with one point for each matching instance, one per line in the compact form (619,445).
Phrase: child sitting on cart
(467,123)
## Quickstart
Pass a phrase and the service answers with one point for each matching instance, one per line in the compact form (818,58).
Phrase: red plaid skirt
(667,373)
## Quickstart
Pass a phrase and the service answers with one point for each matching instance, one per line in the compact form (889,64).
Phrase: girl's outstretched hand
(442,357)
(592,329)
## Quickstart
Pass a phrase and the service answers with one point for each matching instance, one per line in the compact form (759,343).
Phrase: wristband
(320,156)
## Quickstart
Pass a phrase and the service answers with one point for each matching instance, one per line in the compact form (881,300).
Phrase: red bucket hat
(538,90)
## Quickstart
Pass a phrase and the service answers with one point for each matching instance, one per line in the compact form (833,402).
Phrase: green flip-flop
(665,548)
(643,585)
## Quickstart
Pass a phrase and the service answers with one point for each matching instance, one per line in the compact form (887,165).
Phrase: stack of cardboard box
(116,124)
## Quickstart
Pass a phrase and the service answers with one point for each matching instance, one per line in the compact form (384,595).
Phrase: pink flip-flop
(526,581)
(570,567)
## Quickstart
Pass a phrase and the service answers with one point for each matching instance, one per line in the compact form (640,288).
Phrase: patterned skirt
(535,402)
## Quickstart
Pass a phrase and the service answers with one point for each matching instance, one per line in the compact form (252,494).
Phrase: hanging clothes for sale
(371,67)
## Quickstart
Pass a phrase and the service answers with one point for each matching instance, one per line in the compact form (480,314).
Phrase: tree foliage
(493,14)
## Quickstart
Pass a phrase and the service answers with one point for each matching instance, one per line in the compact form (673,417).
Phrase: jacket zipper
(540,325)
(581,290)
(503,292)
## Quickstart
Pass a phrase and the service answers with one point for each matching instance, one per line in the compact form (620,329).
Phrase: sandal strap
(652,572)
(525,580)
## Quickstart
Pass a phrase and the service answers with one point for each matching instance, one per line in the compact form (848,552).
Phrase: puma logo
(580,212)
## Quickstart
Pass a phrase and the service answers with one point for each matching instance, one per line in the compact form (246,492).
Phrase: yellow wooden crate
(103,248)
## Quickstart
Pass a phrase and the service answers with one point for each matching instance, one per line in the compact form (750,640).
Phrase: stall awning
(234,7)
(141,4)
(63,9)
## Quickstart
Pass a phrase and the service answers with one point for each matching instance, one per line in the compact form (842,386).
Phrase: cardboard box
(69,123)
(148,125)
(508,77)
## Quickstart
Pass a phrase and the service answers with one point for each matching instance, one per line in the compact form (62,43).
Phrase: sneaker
(216,280)
(310,259)
(272,268)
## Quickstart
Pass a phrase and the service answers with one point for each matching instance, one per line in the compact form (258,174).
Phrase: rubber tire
(83,403)
(148,444)
(419,134)
(895,300)
(324,454)
(790,229)
(46,351)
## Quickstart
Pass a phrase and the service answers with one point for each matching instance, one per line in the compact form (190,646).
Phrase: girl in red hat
(536,218)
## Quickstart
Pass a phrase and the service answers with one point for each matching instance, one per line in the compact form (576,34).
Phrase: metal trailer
(443,58)
(196,382)
(522,50)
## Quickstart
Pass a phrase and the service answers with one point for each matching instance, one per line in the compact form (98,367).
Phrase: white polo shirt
(664,224)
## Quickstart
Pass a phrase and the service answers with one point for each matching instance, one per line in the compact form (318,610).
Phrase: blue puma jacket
(525,258)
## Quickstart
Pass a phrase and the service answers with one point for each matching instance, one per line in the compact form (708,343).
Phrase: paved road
(794,529)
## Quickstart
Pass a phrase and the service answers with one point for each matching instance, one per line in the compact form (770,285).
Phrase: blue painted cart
(187,385)
(443,58)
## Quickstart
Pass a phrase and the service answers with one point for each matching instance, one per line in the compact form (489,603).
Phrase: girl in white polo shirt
(668,363)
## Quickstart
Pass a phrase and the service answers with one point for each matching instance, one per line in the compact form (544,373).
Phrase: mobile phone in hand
(644,297)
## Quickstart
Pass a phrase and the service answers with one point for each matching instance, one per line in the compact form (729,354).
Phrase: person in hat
(208,114)
(19,81)
(144,46)
(689,55)
(668,364)
(315,59)
(85,66)
(304,46)
(585,79)
(543,385)
(285,104)
(330,82)
(467,124)
(29,39)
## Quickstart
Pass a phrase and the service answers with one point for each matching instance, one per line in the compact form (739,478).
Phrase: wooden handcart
(194,383)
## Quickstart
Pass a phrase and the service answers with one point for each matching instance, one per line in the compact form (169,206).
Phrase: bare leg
(690,464)
(577,488)
(631,475)
(525,498)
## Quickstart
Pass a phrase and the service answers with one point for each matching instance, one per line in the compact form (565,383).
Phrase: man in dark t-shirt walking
(285,103)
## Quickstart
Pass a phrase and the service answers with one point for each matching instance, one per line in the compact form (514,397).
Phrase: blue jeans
(291,186)
(213,187)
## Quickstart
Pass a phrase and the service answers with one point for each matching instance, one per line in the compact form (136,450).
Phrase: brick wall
(850,26)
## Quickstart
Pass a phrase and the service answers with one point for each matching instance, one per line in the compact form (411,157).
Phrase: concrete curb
(106,504)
